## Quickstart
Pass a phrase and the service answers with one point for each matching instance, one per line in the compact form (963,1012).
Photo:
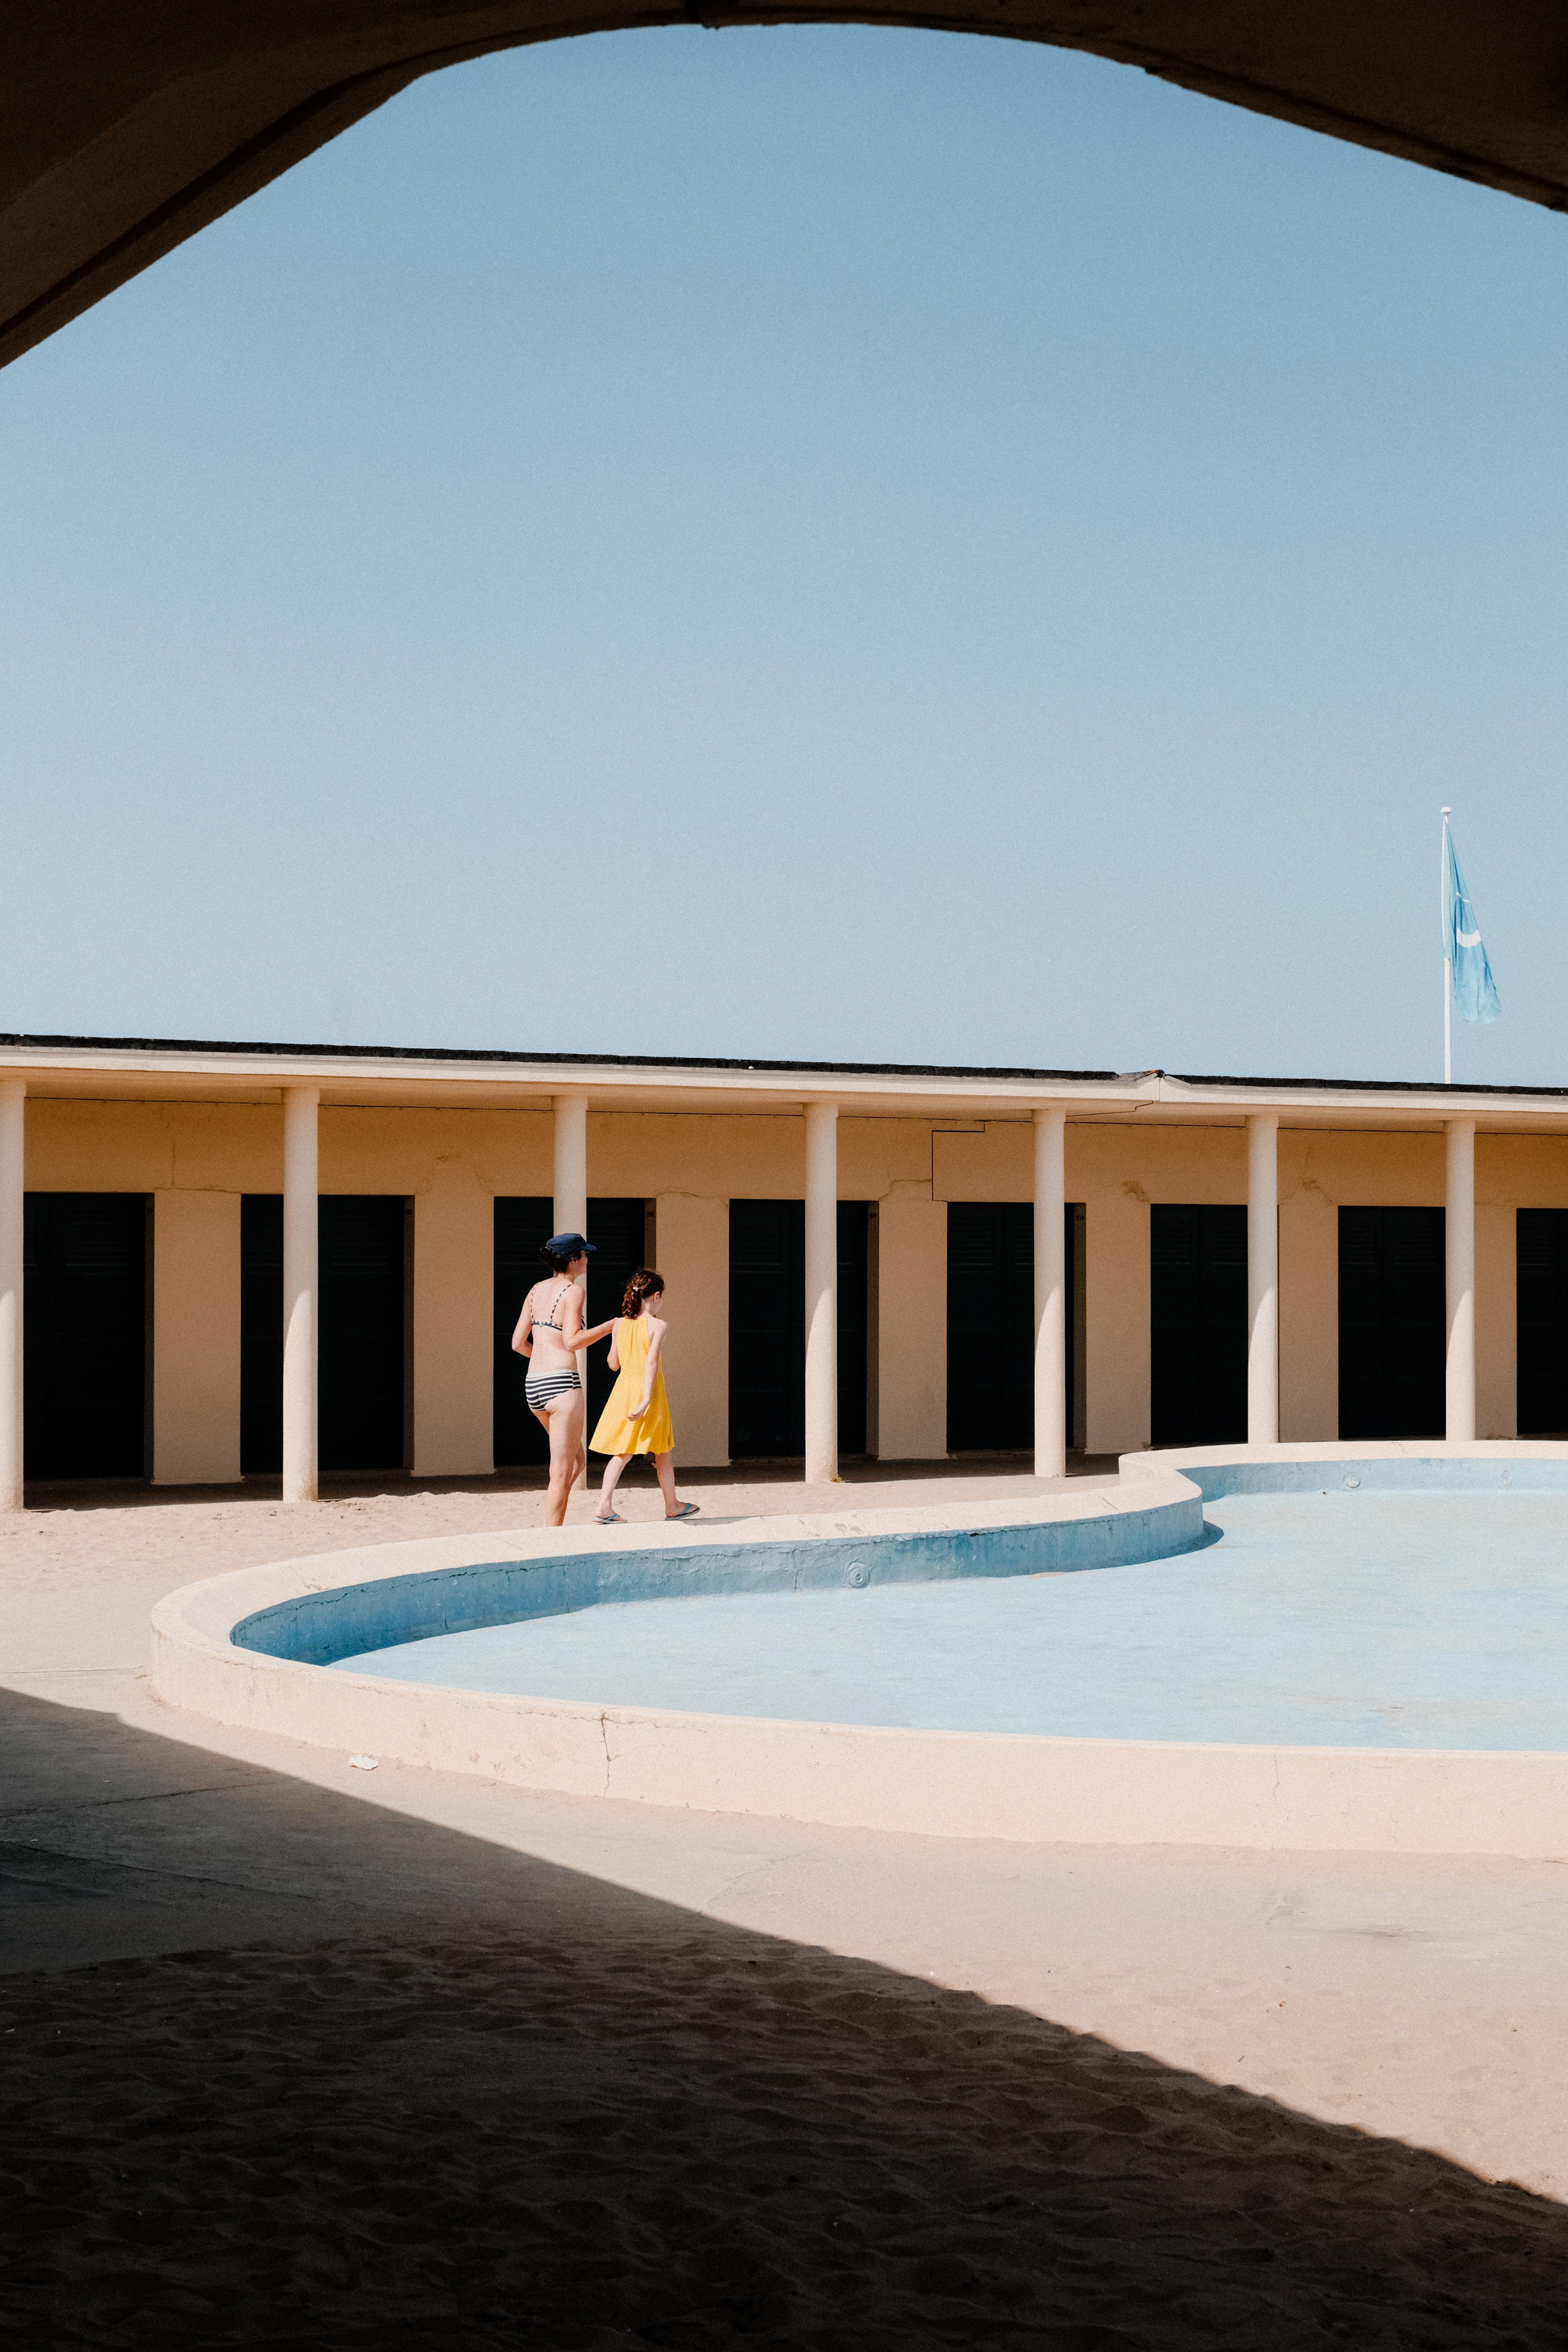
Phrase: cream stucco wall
(454,1292)
(196,1161)
(1308,1303)
(1111,1170)
(196,1338)
(693,1251)
(910,1311)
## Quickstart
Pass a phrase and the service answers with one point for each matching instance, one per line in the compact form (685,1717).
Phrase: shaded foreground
(185,113)
(291,2058)
(687,2134)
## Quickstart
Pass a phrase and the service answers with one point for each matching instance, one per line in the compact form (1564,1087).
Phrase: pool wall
(1494,1465)
(315,1628)
(250,1650)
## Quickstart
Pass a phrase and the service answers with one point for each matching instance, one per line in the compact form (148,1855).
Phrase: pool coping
(1033,1788)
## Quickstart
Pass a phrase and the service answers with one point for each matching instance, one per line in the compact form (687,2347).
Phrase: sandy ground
(298,2055)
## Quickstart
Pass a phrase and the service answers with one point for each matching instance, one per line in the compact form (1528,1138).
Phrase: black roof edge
(504,1056)
(564,1061)
(1356,1086)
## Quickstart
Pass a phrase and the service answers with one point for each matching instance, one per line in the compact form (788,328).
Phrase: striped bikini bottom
(542,1388)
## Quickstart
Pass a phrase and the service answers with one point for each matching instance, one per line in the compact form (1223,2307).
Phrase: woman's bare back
(545,1311)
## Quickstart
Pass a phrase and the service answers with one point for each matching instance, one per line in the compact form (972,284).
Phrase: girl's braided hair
(644,1285)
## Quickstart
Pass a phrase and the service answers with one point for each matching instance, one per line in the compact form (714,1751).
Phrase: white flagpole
(1447,962)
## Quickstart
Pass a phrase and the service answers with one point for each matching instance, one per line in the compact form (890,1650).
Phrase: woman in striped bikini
(550,1332)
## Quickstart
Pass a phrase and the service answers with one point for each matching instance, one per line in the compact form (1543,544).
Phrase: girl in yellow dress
(636,1418)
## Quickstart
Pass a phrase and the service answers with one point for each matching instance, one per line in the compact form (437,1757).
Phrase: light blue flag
(1475,991)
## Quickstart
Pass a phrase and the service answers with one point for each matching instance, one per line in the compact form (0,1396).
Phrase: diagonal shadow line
(491,2102)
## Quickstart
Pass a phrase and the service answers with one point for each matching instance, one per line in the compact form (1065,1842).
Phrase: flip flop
(687,1511)
(609,1519)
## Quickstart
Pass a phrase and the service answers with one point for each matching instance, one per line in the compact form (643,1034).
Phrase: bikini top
(540,1322)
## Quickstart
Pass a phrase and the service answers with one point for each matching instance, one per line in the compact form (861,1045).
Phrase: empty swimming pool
(1358,1616)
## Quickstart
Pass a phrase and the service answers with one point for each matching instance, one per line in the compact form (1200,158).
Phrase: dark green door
(991,1325)
(1393,1323)
(523,1225)
(767,1327)
(84,1334)
(1197,1324)
(854,1310)
(1542,1291)
(618,1230)
(260,1334)
(362,1346)
(363,1402)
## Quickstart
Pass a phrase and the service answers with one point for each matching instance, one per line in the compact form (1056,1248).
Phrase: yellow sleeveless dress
(654,1432)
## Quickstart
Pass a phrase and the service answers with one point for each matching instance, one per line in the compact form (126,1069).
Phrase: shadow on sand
(375,2083)
(855,1470)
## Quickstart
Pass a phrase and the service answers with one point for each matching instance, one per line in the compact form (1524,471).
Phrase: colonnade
(1052,1338)
(301,1108)
(1263,1278)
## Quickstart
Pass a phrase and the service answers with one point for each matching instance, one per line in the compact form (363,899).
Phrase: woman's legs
(563,1419)
(663,1468)
(613,1468)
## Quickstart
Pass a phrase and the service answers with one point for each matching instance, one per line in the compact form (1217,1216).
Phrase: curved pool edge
(1105,1526)
(1477,1466)
(381,1582)
(1015,1787)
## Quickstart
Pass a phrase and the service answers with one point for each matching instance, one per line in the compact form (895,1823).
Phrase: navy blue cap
(568,1245)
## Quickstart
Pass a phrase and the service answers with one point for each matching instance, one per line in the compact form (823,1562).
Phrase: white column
(1460,1229)
(1051,1335)
(571,1210)
(300,1217)
(1263,1278)
(821,1293)
(570,1195)
(13,1115)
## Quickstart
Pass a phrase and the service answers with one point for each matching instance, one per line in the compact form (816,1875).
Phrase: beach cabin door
(767,1329)
(1393,1323)
(1543,1343)
(1197,1324)
(990,1324)
(364,1359)
(84,1334)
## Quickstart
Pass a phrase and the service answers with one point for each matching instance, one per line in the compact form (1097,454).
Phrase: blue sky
(827,543)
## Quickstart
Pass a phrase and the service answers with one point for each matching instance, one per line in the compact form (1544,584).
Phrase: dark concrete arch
(127,125)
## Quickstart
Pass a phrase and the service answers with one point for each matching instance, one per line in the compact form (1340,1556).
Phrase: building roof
(244,1069)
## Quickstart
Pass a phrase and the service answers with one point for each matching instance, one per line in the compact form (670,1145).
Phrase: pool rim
(1015,1786)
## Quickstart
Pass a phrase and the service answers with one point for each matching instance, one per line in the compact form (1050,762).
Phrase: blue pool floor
(1430,1620)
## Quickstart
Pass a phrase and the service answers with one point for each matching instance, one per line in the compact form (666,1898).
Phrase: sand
(294,2055)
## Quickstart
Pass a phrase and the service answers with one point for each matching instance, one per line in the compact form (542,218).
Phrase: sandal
(687,1511)
(609,1519)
